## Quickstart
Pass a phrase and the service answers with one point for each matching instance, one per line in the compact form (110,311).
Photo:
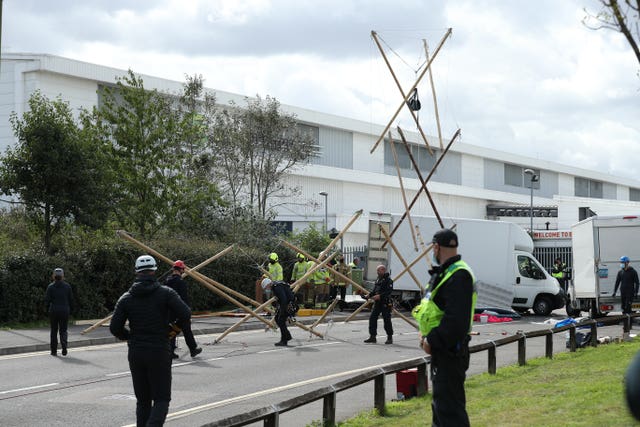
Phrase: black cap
(446,238)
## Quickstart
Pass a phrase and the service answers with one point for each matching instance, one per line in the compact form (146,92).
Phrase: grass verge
(585,388)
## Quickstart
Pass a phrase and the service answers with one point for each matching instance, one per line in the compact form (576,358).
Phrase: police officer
(59,301)
(284,295)
(147,305)
(559,271)
(381,296)
(175,282)
(445,317)
(627,279)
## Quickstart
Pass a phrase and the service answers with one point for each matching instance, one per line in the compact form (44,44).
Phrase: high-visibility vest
(319,276)
(275,271)
(428,314)
(299,270)
(559,272)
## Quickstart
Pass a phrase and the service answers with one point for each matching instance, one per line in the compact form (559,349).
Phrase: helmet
(273,256)
(265,282)
(300,256)
(624,258)
(179,264)
(145,262)
(58,272)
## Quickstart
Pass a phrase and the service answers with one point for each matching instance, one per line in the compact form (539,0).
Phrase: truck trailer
(598,243)
(499,253)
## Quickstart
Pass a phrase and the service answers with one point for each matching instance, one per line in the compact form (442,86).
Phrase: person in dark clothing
(627,280)
(381,296)
(447,315)
(175,282)
(284,295)
(59,301)
(146,305)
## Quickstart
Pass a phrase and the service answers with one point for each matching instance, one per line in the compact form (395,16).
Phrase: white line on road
(212,405)
(299,346)
(15,390)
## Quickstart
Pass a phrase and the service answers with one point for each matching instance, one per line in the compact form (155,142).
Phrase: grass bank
(585,388)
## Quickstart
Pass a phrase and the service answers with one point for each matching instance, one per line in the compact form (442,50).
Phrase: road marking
(299,346)
(190,411)
(28,388)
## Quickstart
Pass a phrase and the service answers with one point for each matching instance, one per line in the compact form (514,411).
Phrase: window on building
(588,188)
(634,194)
(421,155)
(514,175)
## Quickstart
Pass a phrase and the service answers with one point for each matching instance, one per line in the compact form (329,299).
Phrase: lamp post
(324,194)
(534,178)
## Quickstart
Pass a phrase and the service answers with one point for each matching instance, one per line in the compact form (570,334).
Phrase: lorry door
(530,279)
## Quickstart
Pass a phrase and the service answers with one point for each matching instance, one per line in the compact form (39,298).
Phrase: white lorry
(499,253)
(598,243)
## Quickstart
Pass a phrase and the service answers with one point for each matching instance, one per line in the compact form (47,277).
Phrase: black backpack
(292,306)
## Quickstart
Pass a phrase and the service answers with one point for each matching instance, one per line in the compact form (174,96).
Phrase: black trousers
(448,372)
(626,300)
(58,322)
(281,321)
(333,293)
(188,337)
(385,310)
(151,375)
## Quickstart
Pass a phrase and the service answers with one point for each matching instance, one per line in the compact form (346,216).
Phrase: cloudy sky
(520,76)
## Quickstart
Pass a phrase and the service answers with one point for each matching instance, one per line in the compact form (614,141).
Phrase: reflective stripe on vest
(428,314)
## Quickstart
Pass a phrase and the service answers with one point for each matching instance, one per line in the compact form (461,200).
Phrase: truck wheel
(542,306)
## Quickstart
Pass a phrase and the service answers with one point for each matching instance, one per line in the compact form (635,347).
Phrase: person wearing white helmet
(627,280)
(284,295)
(59,301)
(147,306)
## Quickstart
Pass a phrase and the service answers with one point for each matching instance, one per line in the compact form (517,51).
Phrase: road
(92,386)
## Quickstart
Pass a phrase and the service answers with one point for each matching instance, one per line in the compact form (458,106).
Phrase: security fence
(270,414)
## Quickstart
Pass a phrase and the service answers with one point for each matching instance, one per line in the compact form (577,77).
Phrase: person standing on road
(59,301)
(175,282)
(339,283)
(284,295)
(445,317)
(147,306)
(381,297)
(627,280)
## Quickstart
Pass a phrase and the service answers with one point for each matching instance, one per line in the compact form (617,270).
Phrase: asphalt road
(92,386)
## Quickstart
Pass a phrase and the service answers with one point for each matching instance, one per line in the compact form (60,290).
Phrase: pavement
(14,341)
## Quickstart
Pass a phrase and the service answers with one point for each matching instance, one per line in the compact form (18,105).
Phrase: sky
(521,76)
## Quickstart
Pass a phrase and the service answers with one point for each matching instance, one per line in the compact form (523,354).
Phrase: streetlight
(534,178)
(324,194)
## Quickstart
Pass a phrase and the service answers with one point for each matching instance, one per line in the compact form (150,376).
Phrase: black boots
(281,344)
(389,340)
(370,340)
(196,351)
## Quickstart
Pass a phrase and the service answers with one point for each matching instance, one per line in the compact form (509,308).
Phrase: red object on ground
(492,319)
(407,382)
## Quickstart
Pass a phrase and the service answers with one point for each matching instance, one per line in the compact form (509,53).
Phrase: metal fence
(547,256)
(270,414)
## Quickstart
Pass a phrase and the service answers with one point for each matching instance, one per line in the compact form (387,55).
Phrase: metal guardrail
(270,414)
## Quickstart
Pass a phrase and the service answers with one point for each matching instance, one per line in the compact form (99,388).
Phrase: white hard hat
(145,262)
(265,282)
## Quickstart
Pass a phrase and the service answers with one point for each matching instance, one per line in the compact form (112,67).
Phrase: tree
(621,16)
(57,174)
(146,134)
(253,149)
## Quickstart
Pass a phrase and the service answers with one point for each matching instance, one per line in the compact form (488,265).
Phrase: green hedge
(101,269)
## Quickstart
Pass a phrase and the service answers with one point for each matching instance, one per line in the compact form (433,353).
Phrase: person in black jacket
(175,282)
(451,299)
(146,305)
(627,280)
(59,301)
(284,295)
(381,296)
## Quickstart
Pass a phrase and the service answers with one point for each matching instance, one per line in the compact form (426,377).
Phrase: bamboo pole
(197,276)
(405,98)
(433,92)
(415,198)
(358,310)
(336,239)
(405,318)
(401,258)
(404,195)
(297,285)
(197,267)
(326,312)
(393,74)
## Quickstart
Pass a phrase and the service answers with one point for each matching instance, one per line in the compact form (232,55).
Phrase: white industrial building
(470,182)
